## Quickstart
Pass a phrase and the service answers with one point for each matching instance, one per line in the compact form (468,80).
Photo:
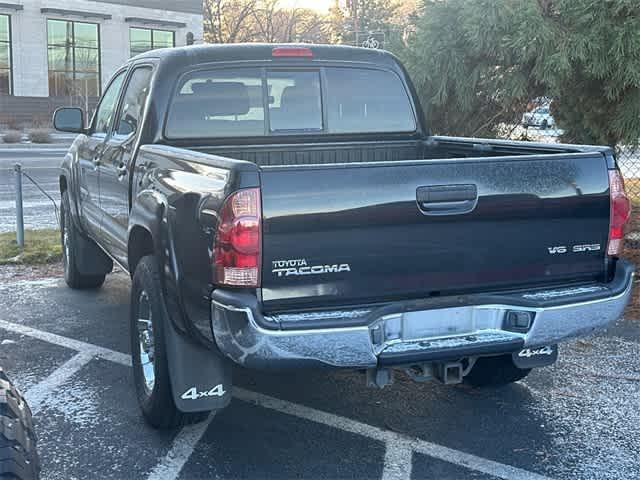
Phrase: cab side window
(106,109)
(135,98)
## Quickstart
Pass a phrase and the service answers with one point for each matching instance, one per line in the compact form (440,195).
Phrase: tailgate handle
(447,199)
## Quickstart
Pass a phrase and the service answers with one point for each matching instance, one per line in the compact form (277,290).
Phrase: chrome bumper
(405,337)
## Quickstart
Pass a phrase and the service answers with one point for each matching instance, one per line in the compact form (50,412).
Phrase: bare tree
(229,21)
(295,24)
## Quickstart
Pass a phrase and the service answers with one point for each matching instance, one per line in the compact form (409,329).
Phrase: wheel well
(63,184)
(140,244)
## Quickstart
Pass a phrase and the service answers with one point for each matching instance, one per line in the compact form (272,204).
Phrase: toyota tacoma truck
(286,207)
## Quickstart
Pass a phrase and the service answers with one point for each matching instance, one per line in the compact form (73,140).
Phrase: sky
(319,5)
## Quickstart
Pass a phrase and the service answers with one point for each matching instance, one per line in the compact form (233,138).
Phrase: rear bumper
(405,333)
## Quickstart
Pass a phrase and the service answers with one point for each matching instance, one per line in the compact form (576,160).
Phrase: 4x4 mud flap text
(536,357)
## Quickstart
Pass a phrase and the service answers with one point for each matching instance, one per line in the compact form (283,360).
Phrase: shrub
(12,136)
(40,135)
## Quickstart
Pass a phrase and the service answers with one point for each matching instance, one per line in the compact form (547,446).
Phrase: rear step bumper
(407,335)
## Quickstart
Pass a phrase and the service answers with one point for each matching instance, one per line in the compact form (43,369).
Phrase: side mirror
(69,119)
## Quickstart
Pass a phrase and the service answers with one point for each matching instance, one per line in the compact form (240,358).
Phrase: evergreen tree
(478,64)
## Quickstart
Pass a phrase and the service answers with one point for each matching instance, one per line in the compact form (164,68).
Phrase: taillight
(620,211)
(238,243)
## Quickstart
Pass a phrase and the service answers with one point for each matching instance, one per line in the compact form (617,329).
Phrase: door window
(135,97)
(104,115)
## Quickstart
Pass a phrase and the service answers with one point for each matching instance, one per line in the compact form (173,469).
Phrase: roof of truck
(197,54)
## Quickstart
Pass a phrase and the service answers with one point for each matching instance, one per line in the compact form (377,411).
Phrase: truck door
(90,156)
(117,165)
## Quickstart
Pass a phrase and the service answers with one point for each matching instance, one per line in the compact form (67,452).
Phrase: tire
(18,454)
(70,238)
(495,372)
(148,350)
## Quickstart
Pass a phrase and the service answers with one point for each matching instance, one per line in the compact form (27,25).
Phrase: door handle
(96,161)
(447,199)
(121,169)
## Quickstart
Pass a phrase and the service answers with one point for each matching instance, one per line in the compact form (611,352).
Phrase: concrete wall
(189,6)
(29,34)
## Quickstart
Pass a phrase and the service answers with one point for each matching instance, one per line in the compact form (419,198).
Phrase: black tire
(156,400)
(495,372)
(70,238)
(18,454)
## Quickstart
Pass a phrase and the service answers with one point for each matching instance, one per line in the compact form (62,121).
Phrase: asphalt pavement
(43,165)
(578,419)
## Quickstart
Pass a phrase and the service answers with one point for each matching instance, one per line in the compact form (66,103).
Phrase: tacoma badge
(285,268)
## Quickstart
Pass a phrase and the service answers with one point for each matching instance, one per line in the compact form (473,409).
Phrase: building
(55,53)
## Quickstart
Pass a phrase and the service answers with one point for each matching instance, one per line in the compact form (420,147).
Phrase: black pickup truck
(285,206)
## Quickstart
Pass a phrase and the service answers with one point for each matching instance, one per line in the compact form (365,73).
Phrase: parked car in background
(284,207)
(539,117)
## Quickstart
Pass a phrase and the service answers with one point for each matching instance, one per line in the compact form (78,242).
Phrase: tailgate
(364,233)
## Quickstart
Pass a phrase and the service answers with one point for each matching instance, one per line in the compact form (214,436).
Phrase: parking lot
(68,351)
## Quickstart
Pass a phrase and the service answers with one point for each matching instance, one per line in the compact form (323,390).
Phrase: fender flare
(191,363)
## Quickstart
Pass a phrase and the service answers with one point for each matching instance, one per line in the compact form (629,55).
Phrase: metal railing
(19,173)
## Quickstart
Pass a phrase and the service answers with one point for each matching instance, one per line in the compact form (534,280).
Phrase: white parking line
(398,446)
(37,394)
(446,454)
(70,343)
(398,461)
(181,449)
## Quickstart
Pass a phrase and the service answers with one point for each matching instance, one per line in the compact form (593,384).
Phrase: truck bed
(288,154)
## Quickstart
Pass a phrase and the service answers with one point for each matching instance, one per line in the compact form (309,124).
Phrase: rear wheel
(18,455)
(71,240)
(495,372)
(149,355)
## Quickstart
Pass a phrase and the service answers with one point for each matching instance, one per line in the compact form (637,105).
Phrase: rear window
(256,102)
(218,104)
(367,101)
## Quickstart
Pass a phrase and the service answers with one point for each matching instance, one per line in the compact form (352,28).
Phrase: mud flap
(200,377)
(535,357)
(91,259)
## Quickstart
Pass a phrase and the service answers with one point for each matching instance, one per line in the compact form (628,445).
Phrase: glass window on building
(5,55)
(145,39)
(74,58)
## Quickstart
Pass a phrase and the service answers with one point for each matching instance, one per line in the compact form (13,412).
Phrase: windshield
(256,102)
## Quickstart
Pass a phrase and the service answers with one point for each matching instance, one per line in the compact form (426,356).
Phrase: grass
(40,247)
